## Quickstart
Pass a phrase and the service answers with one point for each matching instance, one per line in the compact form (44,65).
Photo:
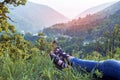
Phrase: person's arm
(57,61)
(61,63)
(88,65)
(70,57)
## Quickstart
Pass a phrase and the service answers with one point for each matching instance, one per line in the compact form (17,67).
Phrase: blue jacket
(109,68)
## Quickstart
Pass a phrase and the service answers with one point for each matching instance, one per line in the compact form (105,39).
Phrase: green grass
(39,67)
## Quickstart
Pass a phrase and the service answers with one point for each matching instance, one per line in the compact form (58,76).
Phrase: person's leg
(111,68)
(88,65)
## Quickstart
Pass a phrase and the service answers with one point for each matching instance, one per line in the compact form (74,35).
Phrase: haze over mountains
(95,9)
(110,10)
(34,17)
(91,26)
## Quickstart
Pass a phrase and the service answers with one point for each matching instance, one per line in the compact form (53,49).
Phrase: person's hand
(60,64)
(55,58)
(52,55)
(64,55)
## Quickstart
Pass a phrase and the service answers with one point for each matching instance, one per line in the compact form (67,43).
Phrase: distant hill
(110,10)
(94,9)
(89,27)
(34,17)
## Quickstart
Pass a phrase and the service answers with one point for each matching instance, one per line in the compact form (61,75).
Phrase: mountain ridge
(35,17)
(89,27)
(95,9)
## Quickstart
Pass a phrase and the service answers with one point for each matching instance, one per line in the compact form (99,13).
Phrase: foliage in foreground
(39,67)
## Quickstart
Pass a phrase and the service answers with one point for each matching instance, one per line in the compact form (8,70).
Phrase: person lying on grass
(109,68)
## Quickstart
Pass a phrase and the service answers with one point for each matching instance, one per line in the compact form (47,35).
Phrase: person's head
(54,42)
(57,50)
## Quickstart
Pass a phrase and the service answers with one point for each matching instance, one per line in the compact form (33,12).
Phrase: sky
(71,8)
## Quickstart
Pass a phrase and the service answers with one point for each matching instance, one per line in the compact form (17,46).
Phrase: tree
(43,45)
(10,41)
(4,24)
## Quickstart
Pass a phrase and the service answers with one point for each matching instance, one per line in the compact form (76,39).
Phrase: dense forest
(26,57)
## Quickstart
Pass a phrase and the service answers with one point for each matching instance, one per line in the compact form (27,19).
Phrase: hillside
(91,26)
(95,9)
(34,17)
(110,10)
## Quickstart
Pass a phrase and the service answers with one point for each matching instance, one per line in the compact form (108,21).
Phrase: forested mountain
(91,26)
(95,9)
(34,17)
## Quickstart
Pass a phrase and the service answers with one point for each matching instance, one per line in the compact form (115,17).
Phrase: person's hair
(54,42)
